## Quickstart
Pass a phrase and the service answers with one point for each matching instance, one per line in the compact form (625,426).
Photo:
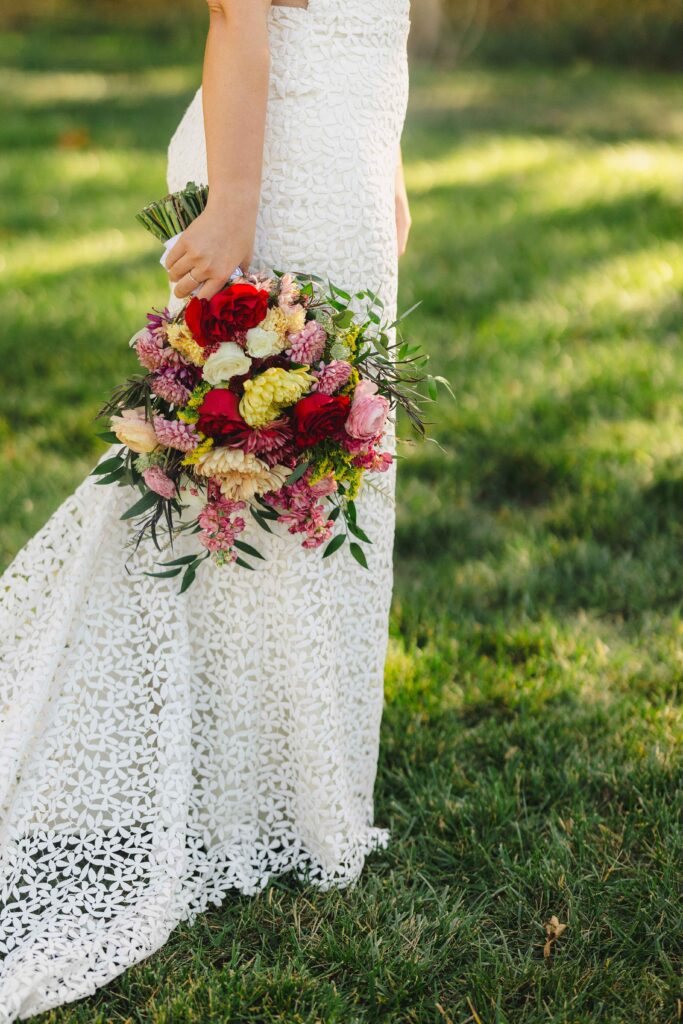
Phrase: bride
(158,750)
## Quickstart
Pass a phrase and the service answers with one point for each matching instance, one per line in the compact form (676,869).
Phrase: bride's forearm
(235,95)
(235,87)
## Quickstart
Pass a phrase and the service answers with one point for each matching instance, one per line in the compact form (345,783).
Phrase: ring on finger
(198,283)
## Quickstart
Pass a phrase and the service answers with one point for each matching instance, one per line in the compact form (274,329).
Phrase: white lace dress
(158,750)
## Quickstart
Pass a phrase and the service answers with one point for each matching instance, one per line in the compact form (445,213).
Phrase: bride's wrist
(229,200)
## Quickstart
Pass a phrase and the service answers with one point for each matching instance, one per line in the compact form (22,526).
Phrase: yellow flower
(182,341)
(267,395)
(193,457)
(241,474)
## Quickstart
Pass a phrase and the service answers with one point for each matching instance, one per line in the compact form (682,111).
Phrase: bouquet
(271,400)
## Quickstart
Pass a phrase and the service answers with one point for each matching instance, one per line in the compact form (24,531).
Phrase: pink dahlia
(176,434)
(157,481)
(333,376)
(308,345)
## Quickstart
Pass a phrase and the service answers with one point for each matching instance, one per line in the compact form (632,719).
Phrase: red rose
(239,307)
(319,417)
(219,414)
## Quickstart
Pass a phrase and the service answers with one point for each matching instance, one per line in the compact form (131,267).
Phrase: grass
(531,757)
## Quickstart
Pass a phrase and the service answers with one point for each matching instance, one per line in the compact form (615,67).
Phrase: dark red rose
(239,307)
(318,417)
(193,319)
(219,415)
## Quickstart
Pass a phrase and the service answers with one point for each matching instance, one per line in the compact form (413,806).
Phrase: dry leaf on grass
(553,931)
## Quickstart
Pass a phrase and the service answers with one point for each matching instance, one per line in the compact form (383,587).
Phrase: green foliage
(532,738)
(636,32)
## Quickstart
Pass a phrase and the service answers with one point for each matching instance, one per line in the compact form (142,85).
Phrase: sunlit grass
(532,738)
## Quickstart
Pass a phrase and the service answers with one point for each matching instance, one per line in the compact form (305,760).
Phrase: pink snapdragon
(176,434)
(374,461)
(302,510)
(220,525)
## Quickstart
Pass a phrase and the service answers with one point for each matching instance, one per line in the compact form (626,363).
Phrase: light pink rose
(368,414)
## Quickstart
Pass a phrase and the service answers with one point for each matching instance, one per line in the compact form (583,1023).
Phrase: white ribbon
(169,245)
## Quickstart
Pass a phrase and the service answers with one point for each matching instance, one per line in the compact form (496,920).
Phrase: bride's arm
(235,96)
(403,218)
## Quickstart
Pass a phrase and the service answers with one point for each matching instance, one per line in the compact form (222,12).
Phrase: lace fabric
(158,750)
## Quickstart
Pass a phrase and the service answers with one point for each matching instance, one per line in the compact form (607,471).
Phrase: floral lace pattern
(157,750)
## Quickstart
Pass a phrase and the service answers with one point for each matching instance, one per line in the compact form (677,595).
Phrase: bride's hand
(211,248)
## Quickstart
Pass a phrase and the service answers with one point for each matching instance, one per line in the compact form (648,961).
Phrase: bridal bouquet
(272,400)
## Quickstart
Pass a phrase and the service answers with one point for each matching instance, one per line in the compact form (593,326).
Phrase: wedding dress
(157,750)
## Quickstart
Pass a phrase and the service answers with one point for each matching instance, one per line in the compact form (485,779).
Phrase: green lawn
(531,759)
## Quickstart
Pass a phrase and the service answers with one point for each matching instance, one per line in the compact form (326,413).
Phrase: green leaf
(297,474)
(185,560)
(146,502)
(164,575)
(432,389)
(261,520)
(351,511)
(249,550)
(334,545)
(334,516)
(344,319)
(120,474)
(358,554)
(108,466)
(109,436)
(245,565)
(357,532)
(188,578)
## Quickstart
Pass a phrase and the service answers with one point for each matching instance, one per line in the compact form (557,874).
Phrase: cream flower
(229,360)
(262,343)
(240,474)
(296,320)
(136,432)
(275,320)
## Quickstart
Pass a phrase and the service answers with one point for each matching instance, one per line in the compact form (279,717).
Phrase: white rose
(262,343)
(227,361)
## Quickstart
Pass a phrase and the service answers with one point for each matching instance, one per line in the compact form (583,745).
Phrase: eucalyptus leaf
(297,474)
(185,560)
(243,564)
(355,529)
(249,550)
(188,578)
(108,466)
(334,545)
(261,520)
(146,502)
(358,554)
